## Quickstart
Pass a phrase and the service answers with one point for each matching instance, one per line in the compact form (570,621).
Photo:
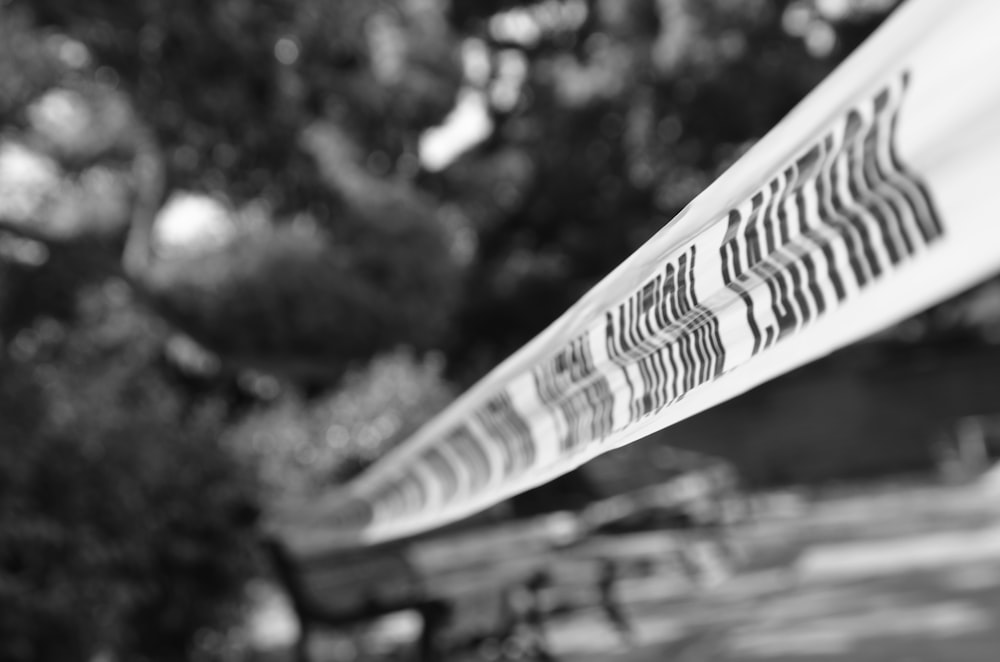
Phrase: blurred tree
(229,85)
(334,242)
(610,117)
(125,518)
(306,447)
(123,529)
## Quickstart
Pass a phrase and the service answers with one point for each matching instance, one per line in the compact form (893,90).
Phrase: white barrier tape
(875,198)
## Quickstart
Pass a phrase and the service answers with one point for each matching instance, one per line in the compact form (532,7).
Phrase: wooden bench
(341,590)
(500,581)
(494,583)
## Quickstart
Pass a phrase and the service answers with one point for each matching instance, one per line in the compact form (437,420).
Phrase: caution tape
(874,199)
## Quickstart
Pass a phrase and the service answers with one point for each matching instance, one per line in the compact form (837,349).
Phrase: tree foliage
(617,115)
(123,529)
(304,448)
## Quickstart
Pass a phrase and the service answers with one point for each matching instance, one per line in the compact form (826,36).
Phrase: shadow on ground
(908,574)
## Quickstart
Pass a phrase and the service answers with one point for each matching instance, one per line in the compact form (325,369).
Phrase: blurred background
(246,246)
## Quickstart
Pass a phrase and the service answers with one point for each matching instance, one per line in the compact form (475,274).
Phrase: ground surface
(903,574)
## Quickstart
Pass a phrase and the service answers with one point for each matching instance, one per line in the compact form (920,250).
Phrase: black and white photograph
(499,331)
